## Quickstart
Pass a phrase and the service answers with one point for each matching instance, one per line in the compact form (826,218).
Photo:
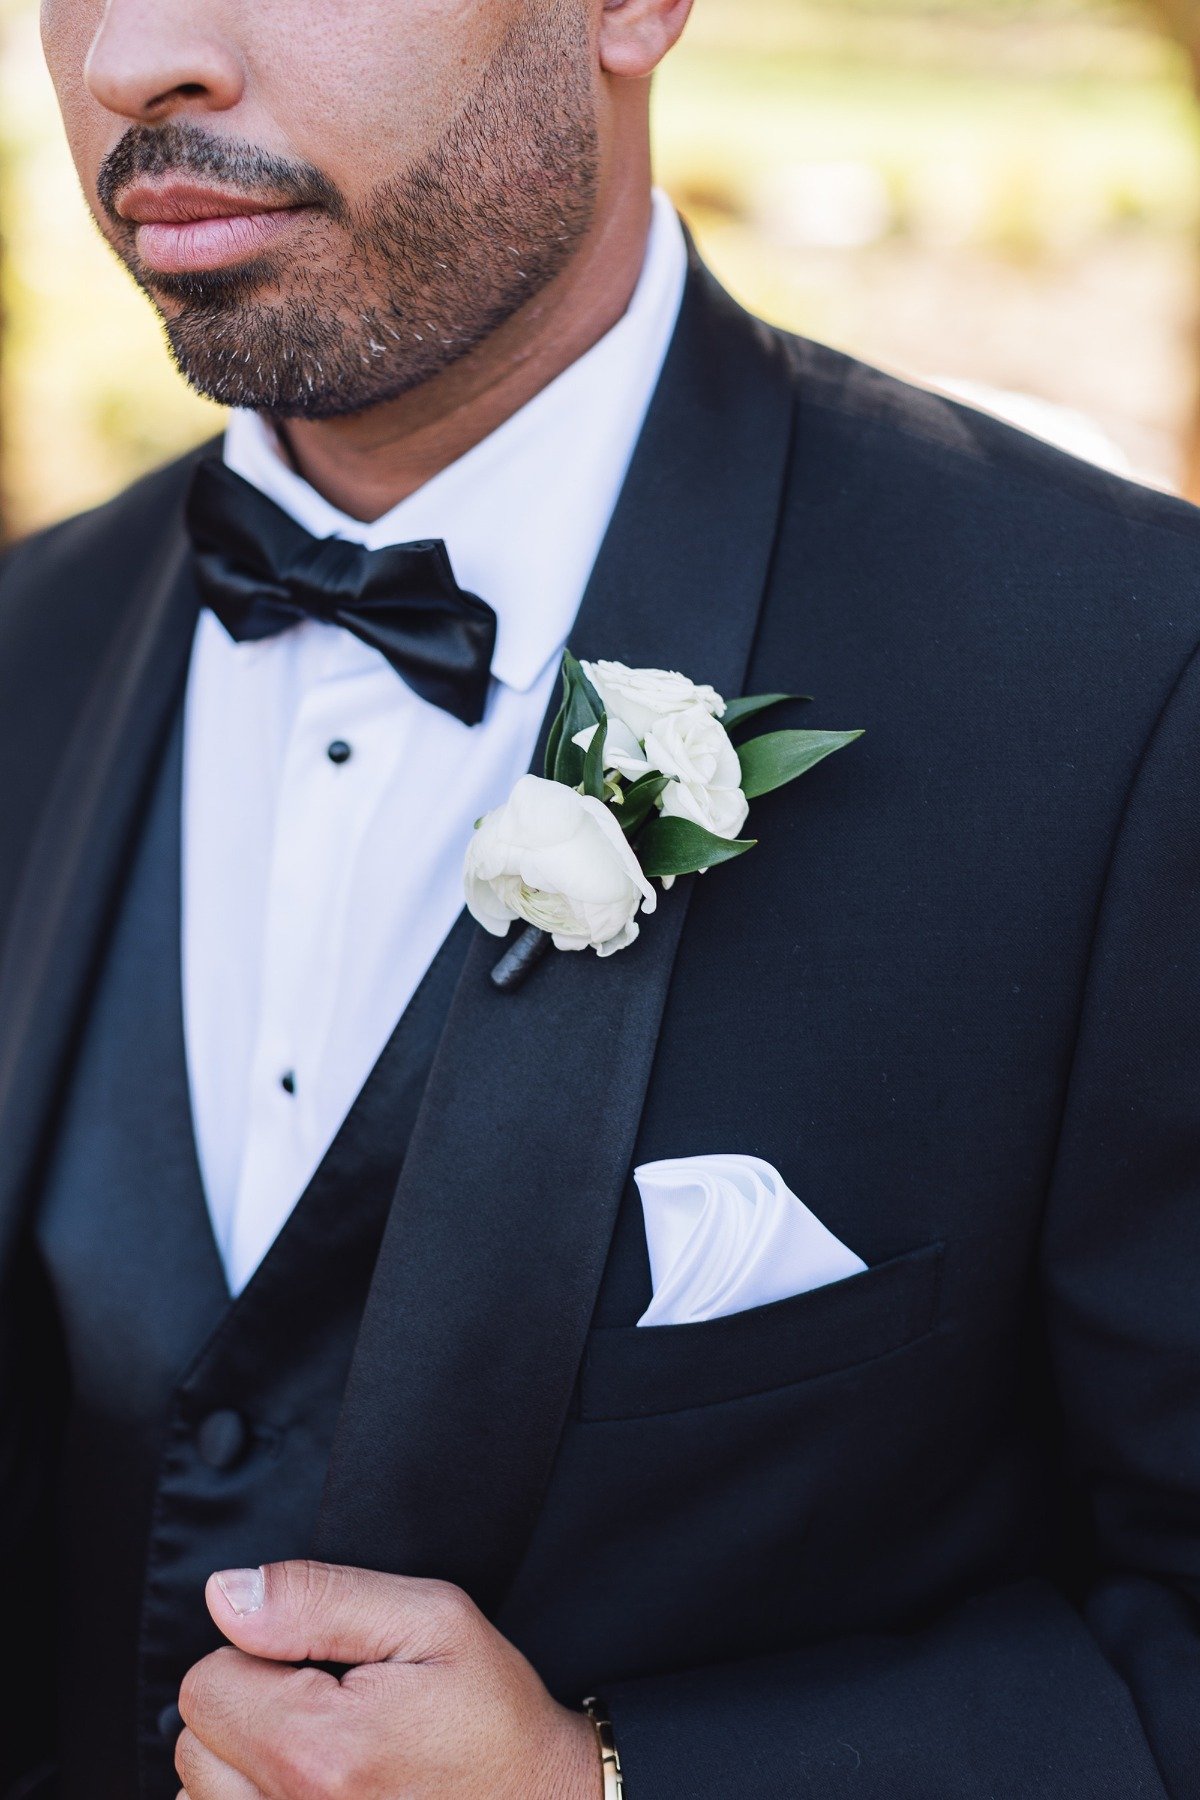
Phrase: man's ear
(635,35)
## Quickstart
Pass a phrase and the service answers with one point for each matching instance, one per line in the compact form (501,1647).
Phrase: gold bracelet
(610,1762)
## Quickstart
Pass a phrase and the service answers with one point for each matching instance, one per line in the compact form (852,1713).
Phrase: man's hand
(436,1703)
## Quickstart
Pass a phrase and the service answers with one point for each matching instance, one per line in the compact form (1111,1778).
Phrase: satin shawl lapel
(495,1246)
(74,869)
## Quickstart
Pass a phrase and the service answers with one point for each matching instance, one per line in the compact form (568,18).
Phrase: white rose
(640,697)
(695,748)
(560,861)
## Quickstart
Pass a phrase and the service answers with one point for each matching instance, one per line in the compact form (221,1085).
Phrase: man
(316,1243)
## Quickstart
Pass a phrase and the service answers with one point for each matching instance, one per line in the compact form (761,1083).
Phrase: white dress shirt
(316,892)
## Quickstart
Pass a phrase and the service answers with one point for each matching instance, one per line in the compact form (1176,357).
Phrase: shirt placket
(335,769)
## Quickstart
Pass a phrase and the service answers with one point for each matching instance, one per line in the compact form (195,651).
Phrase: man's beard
(436,262)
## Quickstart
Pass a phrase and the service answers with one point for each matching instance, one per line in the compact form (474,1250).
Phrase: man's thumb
(317,1612)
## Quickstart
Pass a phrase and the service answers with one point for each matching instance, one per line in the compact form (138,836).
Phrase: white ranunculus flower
(560,861)
(695,748)
(640,697)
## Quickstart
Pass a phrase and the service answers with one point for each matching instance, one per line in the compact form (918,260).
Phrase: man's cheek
(88,142)
(66,44)
(67,28)
(388,80)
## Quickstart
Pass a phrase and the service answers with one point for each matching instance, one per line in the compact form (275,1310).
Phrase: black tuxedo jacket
(930,1533)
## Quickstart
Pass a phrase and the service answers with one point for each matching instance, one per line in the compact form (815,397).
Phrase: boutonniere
(643,783)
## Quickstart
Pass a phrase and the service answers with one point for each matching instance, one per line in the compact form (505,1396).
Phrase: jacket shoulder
(103,545)
(63,590)
(943,563)
(63,594)
(857,401)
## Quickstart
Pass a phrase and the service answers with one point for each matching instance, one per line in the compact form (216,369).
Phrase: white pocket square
(726,1233)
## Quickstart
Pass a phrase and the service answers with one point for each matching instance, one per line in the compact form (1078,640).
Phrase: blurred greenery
(1004,193)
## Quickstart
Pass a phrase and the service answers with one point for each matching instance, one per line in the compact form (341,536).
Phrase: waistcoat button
(222,1439)
(170,1724)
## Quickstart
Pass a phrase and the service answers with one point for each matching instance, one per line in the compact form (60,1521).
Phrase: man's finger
(206,1777)
(292,1732)
(317,1612)
(259,1718)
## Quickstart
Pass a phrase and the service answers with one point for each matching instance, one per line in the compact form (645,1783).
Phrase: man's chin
(270,351)
(235,362)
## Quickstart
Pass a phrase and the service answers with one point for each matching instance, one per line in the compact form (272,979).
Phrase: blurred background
(999,197)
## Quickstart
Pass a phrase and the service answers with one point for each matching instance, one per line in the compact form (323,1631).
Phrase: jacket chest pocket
(632,1372)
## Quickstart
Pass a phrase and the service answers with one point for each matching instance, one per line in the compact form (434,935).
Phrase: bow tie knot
(260,573)
(327,575)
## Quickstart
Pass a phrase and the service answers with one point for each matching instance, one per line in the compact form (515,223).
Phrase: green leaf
(678,847)
(772,761)
(593,763)
(593,698)
(552,745)
(737,712)
(581,708)
(632,814)
(568,763)
(556,730)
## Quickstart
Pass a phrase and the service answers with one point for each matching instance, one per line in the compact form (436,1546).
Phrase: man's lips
(184,228)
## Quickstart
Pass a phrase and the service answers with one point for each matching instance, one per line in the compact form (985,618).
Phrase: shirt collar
(524,513)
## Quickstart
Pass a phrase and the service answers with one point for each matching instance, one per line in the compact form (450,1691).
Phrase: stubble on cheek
(393,75)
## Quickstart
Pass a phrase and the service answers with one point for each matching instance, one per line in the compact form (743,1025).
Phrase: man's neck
(366,464)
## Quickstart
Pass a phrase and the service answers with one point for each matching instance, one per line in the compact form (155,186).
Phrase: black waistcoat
(200,1428)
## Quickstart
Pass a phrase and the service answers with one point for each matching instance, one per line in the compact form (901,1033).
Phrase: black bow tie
(260,573)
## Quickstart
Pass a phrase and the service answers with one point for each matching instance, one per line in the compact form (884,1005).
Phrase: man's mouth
(185,228)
